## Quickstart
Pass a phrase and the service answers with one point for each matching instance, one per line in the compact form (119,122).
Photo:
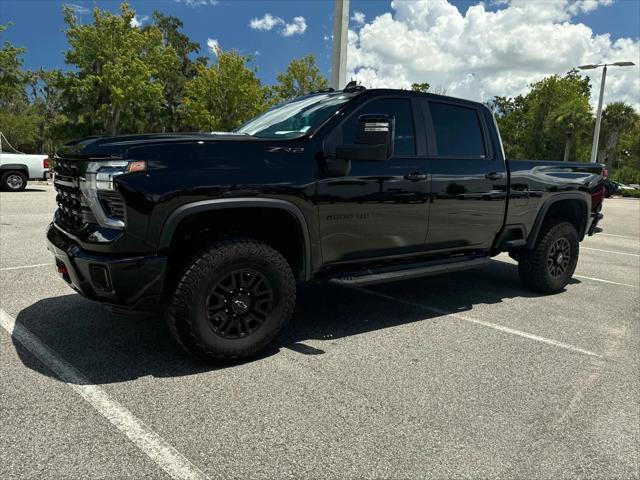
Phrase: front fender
(181,213)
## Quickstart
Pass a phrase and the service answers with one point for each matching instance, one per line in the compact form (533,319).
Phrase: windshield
(296,117)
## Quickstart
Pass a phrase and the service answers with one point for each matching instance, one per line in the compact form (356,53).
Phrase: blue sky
(38,26)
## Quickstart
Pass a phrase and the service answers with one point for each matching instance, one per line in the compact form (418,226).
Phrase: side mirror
(374,140)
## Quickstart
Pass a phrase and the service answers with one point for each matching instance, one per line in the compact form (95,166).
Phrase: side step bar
(371,276)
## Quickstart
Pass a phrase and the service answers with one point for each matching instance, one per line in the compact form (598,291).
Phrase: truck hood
(116,147)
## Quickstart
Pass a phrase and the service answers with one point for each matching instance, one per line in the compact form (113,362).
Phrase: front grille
(73,211)
(69,201)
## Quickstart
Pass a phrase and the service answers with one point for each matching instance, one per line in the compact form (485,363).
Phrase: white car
(17,168)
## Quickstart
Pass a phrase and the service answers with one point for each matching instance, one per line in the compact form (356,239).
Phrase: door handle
(494,176)
(415,176)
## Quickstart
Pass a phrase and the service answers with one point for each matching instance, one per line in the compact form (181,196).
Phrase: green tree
(555,107)
(115,86)
(18,120)
(420,87)
(571,117)
(301,77)
(552,121)
(511,118)
(618,119)
(174,75)
(223,96)
(47,101)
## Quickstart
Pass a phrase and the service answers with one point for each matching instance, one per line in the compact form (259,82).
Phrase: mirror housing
(374,140)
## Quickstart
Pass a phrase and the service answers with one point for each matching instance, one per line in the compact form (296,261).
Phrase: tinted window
(404,139)
(457,129)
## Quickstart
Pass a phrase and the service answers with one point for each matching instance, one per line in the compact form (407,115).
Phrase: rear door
(468,179)
(378,209)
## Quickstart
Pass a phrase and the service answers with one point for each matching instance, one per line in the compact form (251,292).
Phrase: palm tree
(617,118)
(571,118)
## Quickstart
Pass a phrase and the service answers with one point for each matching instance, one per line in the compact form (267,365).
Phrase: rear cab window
(457,131)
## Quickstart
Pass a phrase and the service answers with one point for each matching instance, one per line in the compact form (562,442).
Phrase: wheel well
(275,227)
(14,168)
(571,210)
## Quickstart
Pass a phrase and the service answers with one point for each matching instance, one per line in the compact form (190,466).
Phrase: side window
(458,131)
(400,108)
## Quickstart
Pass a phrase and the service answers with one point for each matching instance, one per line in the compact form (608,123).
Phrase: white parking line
(619,236)
(610,251)
(26,266)
(158,450)
(495,326)
(607,281)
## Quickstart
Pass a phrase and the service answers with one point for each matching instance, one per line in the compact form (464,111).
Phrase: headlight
(99,176)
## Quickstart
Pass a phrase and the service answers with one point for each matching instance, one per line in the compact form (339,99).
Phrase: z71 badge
(285,149)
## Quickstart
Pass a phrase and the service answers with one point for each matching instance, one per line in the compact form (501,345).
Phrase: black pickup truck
(354,187)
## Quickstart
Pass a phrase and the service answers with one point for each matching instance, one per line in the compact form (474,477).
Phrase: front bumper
(132,282)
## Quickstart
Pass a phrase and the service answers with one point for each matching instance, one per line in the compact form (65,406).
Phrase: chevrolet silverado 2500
(354,187)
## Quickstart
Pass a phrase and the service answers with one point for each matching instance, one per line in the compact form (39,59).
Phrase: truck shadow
(111,349)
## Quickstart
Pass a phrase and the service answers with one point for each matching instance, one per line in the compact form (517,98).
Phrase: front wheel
(14,181)
(549,266)
(232,300)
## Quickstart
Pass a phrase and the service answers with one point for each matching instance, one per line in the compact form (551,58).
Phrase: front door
(378,208)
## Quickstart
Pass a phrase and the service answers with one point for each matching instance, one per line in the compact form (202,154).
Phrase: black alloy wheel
(233,298)
(240,303)
(559,257)
(549,265)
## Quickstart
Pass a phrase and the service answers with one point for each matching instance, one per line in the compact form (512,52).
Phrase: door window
(457,130)
(404,140)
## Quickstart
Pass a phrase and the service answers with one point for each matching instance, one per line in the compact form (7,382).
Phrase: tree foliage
(618,121)
(223,96)
(420,87)
(18,120)
(552,121)
(301,77)
(115,86)
(175,74)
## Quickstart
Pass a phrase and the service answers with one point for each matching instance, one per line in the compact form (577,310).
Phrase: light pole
(596,133)
(340,33)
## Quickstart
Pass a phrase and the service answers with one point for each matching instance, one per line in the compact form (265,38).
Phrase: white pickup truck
(17,168)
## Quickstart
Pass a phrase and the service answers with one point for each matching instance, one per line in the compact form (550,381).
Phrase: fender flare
(16,166)
(584,199)
(181,213)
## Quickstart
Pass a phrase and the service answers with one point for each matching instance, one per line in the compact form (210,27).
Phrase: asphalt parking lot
(461,376)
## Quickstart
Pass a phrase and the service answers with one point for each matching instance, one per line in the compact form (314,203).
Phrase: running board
(371,276)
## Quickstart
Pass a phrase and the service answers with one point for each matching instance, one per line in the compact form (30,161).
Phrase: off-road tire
(13,181)
(188,310)
(537,268)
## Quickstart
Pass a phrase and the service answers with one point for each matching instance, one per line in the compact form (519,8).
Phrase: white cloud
(479,54)
(268,22)
(138,21)
(265,23)
(197,3)
(358,17)
(296,27)
(213,46)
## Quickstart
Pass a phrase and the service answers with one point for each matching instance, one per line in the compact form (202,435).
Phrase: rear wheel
(14,181)
(233,299)
(549,266)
